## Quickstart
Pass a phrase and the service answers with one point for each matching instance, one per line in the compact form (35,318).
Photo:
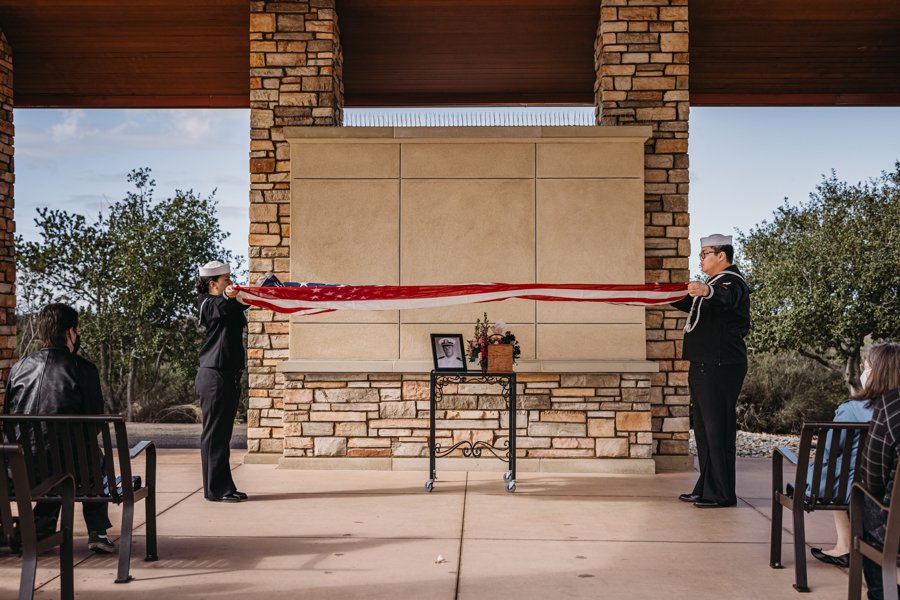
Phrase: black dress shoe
(240,495)
(230,497)
(842,561)
(701,503)
(689,497)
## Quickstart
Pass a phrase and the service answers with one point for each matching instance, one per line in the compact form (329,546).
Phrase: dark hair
(884,361)
(728,250)
(54,321)
(202,284)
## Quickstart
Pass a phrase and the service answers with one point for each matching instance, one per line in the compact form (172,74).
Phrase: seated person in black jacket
(56,381)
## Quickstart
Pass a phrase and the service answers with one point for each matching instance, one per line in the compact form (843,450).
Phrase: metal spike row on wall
(365,118)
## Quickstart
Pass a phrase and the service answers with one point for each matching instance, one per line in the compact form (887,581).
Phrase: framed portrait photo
(448,352)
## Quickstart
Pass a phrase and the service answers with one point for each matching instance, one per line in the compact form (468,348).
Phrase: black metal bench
(886,555)
(795,500)
(18,533)
(83,447)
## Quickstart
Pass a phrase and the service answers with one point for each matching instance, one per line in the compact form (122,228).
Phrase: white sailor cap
(716,239)
(214,268)
(446,342)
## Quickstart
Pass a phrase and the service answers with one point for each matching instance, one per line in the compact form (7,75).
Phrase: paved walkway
(365,534)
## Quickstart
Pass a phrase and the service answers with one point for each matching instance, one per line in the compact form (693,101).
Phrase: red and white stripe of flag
(310,299)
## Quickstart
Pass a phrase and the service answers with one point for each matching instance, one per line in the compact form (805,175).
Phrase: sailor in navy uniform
(448,359)
(222,361)
(719,318)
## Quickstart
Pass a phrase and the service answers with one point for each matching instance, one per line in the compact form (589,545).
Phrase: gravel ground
(178,435)
(758,444)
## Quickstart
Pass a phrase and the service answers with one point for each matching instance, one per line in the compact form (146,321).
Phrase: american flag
(315,298)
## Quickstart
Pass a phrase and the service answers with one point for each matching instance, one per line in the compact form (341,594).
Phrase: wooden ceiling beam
(173,53)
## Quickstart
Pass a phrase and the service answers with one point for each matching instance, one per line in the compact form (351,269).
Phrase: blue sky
(744,161)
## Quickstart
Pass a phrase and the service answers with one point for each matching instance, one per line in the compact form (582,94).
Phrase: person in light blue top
(849,411)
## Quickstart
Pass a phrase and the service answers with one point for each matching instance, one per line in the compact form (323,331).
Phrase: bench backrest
(836,440)
(76,444)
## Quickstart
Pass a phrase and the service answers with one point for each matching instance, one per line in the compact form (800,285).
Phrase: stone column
(7,224)
(295,79)
(642,62)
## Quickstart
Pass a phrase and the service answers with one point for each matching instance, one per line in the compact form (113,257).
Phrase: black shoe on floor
(701,503)
(230,497)
(841,561)
(689,497)
(99,543)
(240,495)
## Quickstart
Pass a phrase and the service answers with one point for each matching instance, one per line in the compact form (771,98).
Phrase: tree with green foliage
(130,272)
(825,274)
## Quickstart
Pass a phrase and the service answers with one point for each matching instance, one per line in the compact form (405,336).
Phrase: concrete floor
(373,534)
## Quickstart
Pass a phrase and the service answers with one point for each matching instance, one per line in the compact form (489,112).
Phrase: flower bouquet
(495,341)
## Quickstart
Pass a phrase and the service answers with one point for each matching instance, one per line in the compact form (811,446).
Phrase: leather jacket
(53,381)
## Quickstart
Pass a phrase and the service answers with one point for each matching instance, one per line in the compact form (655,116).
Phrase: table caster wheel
(507,476)
(511,486)
(429,485)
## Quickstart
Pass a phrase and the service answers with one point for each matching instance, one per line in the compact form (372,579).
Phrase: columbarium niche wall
(408,206)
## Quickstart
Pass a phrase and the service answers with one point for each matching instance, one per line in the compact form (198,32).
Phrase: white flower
(499,328)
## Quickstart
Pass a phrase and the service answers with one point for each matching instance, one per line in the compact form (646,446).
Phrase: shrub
(784,389)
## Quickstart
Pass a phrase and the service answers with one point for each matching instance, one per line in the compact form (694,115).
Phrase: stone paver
(372,534)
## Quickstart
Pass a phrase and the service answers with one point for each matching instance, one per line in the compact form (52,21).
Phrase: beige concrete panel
(601,159)
(344,160)
(344,341)
(415,339)
(588,312)
(590,231)
(590,342)
(460,161)
(346,231)
(509,311)
(351,316)
(640,133)
(340,132)
(457,231)
(468,231)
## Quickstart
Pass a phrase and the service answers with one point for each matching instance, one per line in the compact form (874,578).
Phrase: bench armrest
(45,486)
(788,454)
(859,490)
(140,447)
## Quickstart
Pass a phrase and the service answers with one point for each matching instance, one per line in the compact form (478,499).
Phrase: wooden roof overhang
(172,53)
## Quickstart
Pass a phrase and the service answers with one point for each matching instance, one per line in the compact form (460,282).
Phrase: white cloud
(105,133)
(68,128)
(194,125)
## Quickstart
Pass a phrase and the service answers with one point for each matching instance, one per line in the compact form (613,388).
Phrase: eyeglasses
(705,252)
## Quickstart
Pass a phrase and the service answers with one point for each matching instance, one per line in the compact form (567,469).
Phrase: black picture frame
(456,361)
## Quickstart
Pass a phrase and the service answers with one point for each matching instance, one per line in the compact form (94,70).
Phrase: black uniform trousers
(219,391)
(714,392)
(874,530)
(96,516)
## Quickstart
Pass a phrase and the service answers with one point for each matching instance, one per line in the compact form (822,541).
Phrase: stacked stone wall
(642,62)
(387,415)
(7,224)
(295,79)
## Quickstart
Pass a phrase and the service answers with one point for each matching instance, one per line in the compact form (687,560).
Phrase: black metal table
(506,453)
